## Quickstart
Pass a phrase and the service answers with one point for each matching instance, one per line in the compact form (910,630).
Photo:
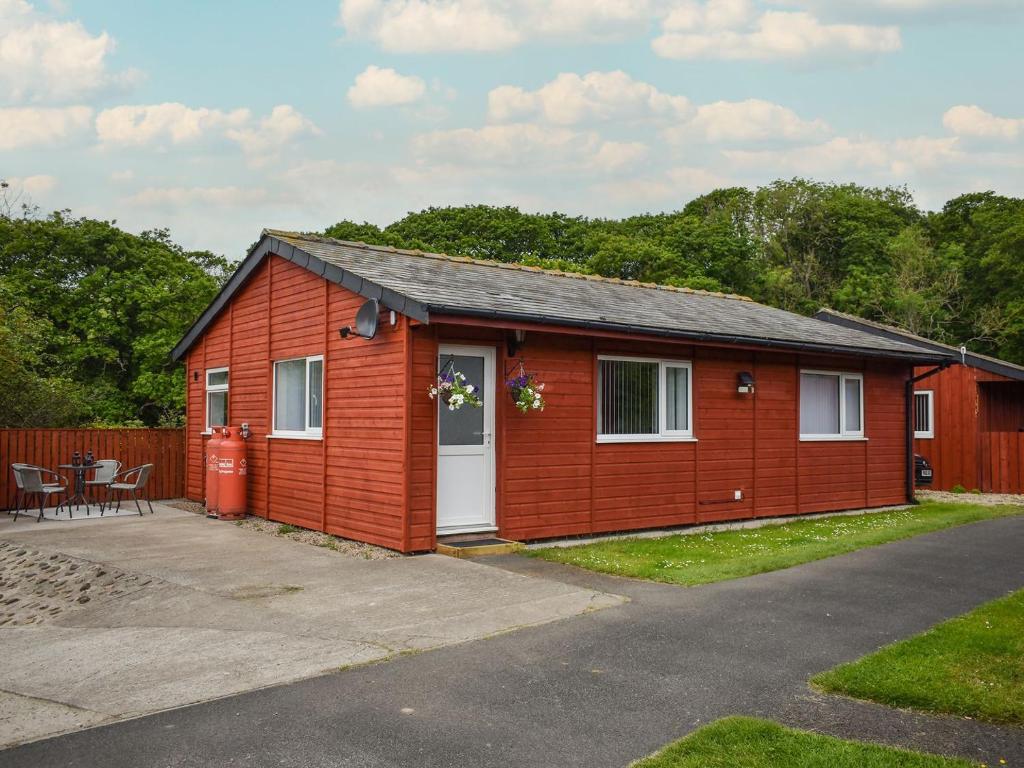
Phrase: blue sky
(217,119)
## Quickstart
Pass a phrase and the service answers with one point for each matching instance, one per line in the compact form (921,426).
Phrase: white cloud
(732,29)
(571,99)
(910,10)
(31,186)
(418,26)
(42,59)
(171,122)
(896,158)
(747,121)
(27,126)
(384,87)
(282,126)
(975,122)
(521,146)
(181,196)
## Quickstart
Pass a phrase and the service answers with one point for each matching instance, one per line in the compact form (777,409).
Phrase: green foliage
(106,308)
(954,276)
(284,528)
(746,742)
(691,559)
(33,394)
(958,489)
(968,666)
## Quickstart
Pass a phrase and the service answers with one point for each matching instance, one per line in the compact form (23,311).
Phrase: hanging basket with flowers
(451,388)
(525,390)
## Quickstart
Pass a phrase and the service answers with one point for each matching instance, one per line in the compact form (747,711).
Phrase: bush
(958,489)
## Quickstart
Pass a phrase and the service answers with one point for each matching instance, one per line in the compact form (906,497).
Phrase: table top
(79,466)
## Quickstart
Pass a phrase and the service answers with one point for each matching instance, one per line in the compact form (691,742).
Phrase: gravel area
(986,499)
(37,586)
(317,539)
(301,535)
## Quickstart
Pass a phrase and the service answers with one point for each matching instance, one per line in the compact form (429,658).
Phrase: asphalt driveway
(608,687)
(102,620)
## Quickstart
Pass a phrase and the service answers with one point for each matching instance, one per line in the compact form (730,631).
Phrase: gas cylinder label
(242,467)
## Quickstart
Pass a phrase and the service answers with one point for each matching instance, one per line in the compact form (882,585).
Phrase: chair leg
(43,498)
(17,510)
(150,504)
(119,495)
(135,498)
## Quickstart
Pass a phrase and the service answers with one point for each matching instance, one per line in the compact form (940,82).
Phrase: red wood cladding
(977,418)
(373,475)
(352,481)
(554,479)
(163,448)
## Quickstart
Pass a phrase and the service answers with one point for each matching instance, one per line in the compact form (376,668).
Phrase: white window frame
(844,433)
(664,434)
(309,433)
(214,388)
(926,434)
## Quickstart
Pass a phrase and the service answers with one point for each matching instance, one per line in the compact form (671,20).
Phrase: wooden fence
(164,448)
(1002,462)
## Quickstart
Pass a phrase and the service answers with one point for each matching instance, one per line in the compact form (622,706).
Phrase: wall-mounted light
(514,341)
(746,383)
(195,375)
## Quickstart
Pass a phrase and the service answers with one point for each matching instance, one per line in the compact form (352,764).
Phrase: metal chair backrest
(141,474)
(16,468)
(31,478)
(106,469)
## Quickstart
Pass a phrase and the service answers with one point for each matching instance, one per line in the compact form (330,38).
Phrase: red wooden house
(664,406)
(969,418)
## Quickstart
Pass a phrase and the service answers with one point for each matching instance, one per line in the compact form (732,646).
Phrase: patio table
(79,493)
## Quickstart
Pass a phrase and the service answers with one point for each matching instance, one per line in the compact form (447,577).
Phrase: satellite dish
(367,318)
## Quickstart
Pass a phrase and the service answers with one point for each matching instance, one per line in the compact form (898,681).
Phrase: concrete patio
(118,617)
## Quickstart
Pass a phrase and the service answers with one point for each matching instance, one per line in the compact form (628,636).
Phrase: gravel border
(295,533)
(968,497)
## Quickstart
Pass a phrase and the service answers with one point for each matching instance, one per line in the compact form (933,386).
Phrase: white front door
(465,445)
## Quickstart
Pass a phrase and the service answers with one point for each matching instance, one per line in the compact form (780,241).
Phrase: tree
(114,305)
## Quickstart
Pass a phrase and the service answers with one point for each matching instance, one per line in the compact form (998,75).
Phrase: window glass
(216,409)
(923,414)
(217,379)
(677,398)
(463,426)
(852,405)
(290,396)
(627,397)
(819,404)
(316,391)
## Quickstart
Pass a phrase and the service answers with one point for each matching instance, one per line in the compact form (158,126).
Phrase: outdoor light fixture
(515,341)
(195,375)
(746,383)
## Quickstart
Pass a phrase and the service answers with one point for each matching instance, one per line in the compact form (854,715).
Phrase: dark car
(923,473)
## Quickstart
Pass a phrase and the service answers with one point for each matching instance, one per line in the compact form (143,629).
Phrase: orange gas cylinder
(233,471)
(213,471)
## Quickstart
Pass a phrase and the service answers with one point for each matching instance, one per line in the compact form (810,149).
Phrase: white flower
(470,388)
(451,406)
(540,386)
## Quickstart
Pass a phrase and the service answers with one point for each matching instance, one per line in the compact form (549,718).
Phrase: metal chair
(132,486)
(19,486)
(106,471)
(32,483)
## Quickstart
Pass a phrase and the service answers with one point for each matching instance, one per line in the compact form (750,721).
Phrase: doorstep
(476,546)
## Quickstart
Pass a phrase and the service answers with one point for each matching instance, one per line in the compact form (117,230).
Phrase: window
(298,397)
(641,399)
(216,398)
(924,414)
(831,405)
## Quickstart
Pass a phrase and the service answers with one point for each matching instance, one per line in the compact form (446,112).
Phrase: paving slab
(115,618)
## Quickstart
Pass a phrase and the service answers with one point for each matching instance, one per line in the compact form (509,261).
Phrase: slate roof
(425,285)
(974,359)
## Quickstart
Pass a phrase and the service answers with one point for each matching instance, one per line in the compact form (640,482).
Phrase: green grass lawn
(742,742)
(972,665)
(691,559)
